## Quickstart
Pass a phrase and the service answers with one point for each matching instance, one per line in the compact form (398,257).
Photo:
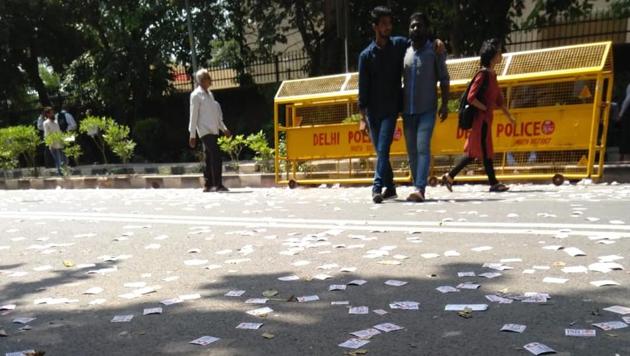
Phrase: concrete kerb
(612,173)
(137,181)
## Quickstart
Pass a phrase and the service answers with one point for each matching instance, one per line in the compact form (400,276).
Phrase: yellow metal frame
(598,127)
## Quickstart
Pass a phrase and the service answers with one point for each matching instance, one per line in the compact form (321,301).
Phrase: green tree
(128,61)
(274,19)
(33,32)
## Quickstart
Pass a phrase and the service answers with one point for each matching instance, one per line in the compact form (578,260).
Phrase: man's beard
(416,37)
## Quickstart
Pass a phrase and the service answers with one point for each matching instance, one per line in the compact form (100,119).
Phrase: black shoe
(222,188)
(209,189)
(416,197)
(447,181)
(390,193)
(377,197)
(499,188)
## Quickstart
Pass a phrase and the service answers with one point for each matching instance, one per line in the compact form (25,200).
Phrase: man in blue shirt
(422,69)
(380,97)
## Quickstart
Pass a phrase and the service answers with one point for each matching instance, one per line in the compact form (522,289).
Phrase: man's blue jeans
(59,158)
(418,131)
(382,134)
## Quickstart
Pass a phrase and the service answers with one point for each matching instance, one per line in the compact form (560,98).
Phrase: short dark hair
(379,12)
(420,16)
(488,50)
(47,109)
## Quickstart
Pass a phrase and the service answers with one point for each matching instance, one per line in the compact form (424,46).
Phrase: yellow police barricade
(559,96)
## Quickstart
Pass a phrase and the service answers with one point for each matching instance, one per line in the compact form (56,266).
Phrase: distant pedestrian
(423,67)
(65,120)
(50,126)
(206,119)
(479,143)
(624,121)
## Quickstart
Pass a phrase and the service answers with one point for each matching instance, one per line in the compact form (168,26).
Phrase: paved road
(144,247)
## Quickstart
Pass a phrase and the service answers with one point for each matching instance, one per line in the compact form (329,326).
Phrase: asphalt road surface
(74,260)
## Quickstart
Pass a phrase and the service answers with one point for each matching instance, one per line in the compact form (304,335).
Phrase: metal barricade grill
(558,95)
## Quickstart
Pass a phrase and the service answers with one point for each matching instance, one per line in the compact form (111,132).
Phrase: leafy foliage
(16,141)
(264,154)
(95,126)
(117,138)
(233,146)
(105,131)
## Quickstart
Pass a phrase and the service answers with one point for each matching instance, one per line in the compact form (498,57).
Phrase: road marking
(325,224)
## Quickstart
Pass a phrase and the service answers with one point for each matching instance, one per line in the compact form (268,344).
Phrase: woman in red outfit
(479,143)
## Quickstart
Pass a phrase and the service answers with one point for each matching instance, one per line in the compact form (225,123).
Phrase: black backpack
(61,120)
(466,111)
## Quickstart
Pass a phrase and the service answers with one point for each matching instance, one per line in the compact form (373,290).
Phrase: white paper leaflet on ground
(249,326)
(235,293)
(611,325)
(365,334)
(359,310)
(395,283)
(462,307)
(618,309)
(353,343)
(205,340)
(497,299)
(388,327)
(260,311)
(447,289)
(307,298)
(537,348)
(405,305)
(150,311)
(516,328)
(580,332)
(357,282)
(122,318)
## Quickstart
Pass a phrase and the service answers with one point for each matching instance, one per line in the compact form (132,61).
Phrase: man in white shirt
(206,119)
(66,123)
(50,126)
(65,120)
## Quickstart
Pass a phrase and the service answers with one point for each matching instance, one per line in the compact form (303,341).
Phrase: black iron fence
(593,28)
(282,67)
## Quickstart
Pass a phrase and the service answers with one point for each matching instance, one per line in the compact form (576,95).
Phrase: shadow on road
(313,328)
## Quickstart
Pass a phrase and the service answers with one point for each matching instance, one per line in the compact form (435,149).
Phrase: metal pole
(191,38)
(345,30)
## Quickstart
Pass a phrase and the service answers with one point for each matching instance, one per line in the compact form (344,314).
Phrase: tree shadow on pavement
(313,328)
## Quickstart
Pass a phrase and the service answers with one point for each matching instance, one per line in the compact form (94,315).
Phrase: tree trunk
(311,44)
(31,66)
(332,54)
